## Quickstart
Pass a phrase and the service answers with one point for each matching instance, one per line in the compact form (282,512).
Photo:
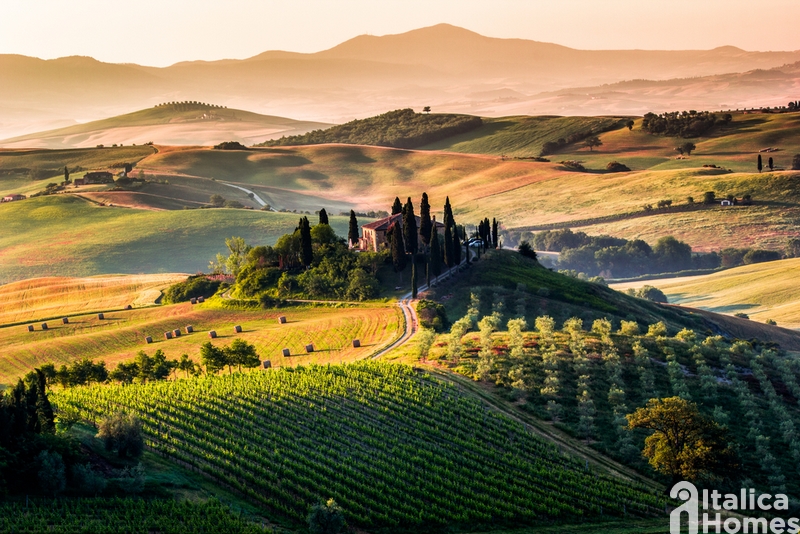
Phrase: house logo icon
(687,492)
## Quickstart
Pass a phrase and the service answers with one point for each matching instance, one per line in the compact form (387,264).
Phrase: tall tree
(435,254)
(66,174)
(448,242)
(44,411)
(212,357)
(759,164)
(398,250)
(456,246)
(410,228)
(240,353)
(413,278)
(352,232)
(494,233)
(448,210)
(770,163)
(306,248)
(425,219)
(397,207)
(323,216)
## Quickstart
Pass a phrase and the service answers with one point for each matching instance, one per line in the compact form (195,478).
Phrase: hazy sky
(162,32)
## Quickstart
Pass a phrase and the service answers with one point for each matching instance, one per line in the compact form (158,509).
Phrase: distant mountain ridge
(446,67)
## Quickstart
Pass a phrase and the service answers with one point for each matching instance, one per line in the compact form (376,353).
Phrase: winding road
(253,193)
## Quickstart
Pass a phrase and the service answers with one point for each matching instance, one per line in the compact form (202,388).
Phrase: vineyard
(587,382)
(394,447)
(133,516)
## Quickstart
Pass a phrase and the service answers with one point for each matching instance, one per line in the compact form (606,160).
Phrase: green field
(762,291)
(395,447)
(64,235)
(521,136)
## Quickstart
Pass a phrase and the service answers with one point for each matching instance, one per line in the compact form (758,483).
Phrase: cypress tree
(448,242)
(352,233)
(66,174)
(323,216)
(306,250)
(398,250)
(397,207)
(456,246)
(425,219)
(770,163)
(428,274)
(413,279)
(760,166)
(494,233)
(435,259)
(44,410)
(409,227)
(487,230)
(448,210)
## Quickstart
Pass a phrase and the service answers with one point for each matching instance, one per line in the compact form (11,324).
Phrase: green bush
(432,315)
(192,287)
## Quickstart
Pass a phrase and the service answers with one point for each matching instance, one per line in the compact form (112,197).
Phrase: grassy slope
(43,298)
(763,291)
(68,236)
(167,126)
(122,334)
(519,136)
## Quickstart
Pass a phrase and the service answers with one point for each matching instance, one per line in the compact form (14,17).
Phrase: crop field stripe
(286,435)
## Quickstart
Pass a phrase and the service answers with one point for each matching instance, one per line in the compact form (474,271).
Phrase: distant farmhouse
(95,177)
(12,198)
(373,235)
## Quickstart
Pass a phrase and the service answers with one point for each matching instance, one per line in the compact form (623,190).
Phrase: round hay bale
(128,307)
(287,353)
(148,340)
(282,319)
(101,316)
(309,348)
(212,334)
(356,343)
(44,326)
(237,329)
(189,329)
(266,364)
(30,328)
(65,320)
(168,335)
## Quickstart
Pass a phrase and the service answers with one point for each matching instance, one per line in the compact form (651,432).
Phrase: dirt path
(254,196)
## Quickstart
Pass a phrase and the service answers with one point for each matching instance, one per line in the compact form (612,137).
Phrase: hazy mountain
(443,66)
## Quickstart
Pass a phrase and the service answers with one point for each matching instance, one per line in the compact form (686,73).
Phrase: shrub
(658,329)
(760,256)
(526,250)
(573,165)
(652,294)
(771,322)
(616,166)
(192,287)
(230,145)
(629,328)
(741,315)
(326,518)
(432,315)
(123,433)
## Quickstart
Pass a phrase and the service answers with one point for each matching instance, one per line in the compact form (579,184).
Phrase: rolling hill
(762,291)
(450,68)
(180,124)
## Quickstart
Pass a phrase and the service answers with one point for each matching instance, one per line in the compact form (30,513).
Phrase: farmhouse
(12,198)
(373,235)
(96,177)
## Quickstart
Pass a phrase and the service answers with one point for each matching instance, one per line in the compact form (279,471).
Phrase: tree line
(402,128)
(682,124)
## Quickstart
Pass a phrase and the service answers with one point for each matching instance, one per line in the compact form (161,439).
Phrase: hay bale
(212,334)
(193,300)
(44,326)
(176,332)
(168,335)
(101,316)
(309,348)
(266,364)
(237,329)
(128,307)
(287,353)
(30,328)
(65,320)
(282,319)
(356,343)
(148,340)
(189,329)
(201,299)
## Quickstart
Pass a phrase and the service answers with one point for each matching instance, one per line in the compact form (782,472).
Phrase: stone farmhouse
(95,177)
(12,198)
(373,235)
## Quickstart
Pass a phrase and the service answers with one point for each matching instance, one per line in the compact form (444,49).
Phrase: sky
(163,32)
